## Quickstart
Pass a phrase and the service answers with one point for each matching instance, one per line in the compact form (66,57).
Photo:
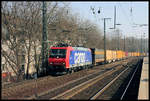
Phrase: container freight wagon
(138,53)
(119,54)
(126,55)
(97,56)
(69,58)
(129,54)
(134,54)
(142,54)
(110,55)
(114,55)
(123,55)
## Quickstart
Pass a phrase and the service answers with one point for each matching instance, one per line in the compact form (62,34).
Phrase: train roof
(81,48)
(58,47)
(74,48)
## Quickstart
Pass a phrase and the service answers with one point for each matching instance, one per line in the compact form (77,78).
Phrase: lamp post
(118,33)
(44,40)
(105,39)
(99,11)
(116,24)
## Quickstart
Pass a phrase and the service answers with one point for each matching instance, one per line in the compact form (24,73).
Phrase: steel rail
(129,82)
(82,86)
(42,79)
(106,86)
(48,91)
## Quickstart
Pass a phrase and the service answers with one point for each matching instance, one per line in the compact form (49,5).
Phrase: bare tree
(13,41)
(22,22)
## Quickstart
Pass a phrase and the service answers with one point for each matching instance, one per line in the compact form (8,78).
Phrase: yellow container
(109,55)
(129,54)
(99,55)
(119,54)
(139,54)
(123,54)
(132,53)
(114,55)
(135,53)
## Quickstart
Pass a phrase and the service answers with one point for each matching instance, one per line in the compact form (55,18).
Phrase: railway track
(78,91)
(122,92)
(79,88)
(105,87)
(37,88)
(71,84)
(130,93)
(72,88)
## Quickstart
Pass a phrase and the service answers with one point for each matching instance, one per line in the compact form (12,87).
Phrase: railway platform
(143,93)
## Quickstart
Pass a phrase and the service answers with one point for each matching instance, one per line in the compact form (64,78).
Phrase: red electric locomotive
(69,58)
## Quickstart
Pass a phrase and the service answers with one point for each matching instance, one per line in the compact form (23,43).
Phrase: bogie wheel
(72,71)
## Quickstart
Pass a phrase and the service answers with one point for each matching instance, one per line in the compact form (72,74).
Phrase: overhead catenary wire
(131,13)
(124,13)
(130,20)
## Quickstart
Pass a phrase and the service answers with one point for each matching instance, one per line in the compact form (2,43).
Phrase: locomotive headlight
(51,62)
(63,63)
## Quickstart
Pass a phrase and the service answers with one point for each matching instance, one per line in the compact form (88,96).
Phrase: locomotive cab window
(57,53)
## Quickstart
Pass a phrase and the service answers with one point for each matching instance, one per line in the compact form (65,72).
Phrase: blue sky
(139,15)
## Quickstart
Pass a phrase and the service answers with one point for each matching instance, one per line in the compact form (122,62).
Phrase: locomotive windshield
(57,53)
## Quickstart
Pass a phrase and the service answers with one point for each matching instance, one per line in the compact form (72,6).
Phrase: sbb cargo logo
(79,58)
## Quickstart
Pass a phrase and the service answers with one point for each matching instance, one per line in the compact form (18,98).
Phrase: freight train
(69,59)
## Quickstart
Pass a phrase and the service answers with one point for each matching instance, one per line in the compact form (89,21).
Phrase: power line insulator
(99,11)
